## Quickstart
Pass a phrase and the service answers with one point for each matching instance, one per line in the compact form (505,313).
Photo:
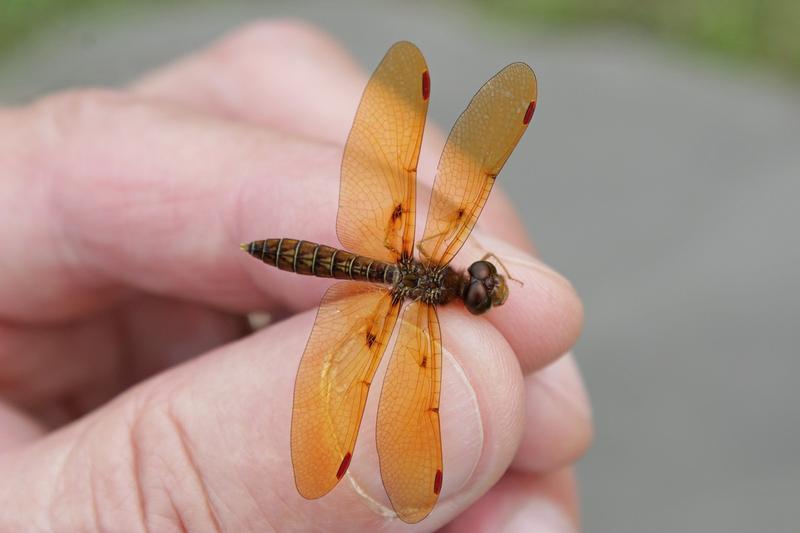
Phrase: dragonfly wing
(408,435)
(353,325)
(377,196)
(478,146)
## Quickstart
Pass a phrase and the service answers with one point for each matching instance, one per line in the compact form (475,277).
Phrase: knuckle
(271,36)
(269,32)
(75,105)
(66,116)
(44,126)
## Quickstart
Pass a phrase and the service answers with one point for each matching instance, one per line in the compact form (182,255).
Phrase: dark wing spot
(426,85)
(424,363)
(370,339)
(460,213)
(398,212)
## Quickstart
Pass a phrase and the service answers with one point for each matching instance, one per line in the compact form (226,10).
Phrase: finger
(272,72)
(152,212)
(208,441)
(558,420)
(59,372)
(524,502)
(543,315)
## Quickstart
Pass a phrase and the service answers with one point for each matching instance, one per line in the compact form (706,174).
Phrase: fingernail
(539,516)
(461,430)
(513,258)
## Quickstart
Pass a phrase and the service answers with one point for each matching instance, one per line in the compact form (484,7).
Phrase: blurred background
(661,176)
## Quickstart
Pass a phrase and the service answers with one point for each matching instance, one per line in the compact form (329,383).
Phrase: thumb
(207,444)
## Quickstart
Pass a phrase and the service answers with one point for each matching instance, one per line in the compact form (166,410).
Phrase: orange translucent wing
(478,146)
(408,437)
(353,325)
(379,168)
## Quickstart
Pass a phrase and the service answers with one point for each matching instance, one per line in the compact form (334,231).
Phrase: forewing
(379,167)
(478,146)
(353,325)
(408,436)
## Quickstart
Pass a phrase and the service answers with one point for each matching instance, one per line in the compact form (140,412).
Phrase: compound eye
(500,291)
(477,298)
(481,270)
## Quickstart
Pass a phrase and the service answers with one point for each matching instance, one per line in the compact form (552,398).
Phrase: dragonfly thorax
(432,285)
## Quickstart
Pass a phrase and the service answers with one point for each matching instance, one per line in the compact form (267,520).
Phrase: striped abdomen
(312,259)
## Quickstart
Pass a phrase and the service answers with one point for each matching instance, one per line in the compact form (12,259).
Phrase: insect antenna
(508,274)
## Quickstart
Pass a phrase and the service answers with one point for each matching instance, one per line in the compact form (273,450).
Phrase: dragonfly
(382,281)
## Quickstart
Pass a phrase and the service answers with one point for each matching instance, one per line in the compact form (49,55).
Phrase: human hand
(121,214)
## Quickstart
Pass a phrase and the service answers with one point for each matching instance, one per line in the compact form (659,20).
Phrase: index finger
(108,193)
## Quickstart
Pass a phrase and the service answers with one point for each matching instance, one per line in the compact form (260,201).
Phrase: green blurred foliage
(18,18)
(761,30)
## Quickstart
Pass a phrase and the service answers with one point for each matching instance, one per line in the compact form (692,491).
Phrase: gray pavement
(662,182)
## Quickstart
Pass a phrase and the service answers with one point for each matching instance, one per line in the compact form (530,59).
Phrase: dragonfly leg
(422,253)
(388,245)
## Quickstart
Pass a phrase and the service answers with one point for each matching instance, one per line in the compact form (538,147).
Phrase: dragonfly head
(484,289)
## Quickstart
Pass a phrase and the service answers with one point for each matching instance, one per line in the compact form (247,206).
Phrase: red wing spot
(437,483)
(344,465)
(529,113)
(426,85)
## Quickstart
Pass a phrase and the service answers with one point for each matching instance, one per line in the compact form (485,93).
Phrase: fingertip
(558,426)
(543,315)
(560,316)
